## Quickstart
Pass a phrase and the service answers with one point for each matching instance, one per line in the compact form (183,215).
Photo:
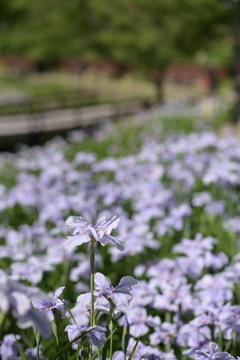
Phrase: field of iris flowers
(121,246)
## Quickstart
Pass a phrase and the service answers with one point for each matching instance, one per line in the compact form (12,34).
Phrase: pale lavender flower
(165,334)
(101,304)
(174,293)
(213,289)
(139,321)
(216,207)
(84,232)
(96,334)
(120,294)
(197,246)
(8,347)
(193,337)
(48,304)
(32,270)
(233,224)
(31,353)
(143,351)
(17,298)
(214,353)
(200,199)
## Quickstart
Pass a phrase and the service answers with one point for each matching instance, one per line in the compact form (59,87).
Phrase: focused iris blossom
(101,305)
(84,232)
(48,304)
(120,294)
(214,354)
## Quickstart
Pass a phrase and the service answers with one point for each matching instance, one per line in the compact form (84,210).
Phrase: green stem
(38,341)
(92,265)
(111,314)
(212,327)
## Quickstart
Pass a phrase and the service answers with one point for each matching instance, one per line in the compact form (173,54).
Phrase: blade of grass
(21,352)
(74,357)
(61,351)
(133,350)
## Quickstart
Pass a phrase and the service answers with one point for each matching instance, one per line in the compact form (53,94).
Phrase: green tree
(149,35)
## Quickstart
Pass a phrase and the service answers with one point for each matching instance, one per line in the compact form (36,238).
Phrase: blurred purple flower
(214,353)
(139,321)
(96,334)
(166,334)
(8,347)
(47,304)
(17,298)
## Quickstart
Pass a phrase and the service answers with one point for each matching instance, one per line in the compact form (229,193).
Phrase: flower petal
(101,281)
(108,220)
(108,238)
(74,241)
(125,282)
(59,290)
(76,224)
(121,299)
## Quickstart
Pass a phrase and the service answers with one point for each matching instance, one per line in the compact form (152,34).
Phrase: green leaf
(54,329)
(74,357)
(21,352)
(61,351)
(103,347)
(142,357)
(133,350)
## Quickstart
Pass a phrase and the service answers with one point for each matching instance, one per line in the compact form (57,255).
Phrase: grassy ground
(126,87)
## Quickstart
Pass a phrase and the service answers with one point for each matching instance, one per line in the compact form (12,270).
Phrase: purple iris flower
(83,306)
(139,321)
(8,347)
(84,232)
(193,337)
(96,334)
(120,294)
(17,298)
(214,354)
(143,352)
(51,302)
(166,333)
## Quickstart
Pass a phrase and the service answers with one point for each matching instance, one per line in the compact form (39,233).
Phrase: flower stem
(111,314)
(92,265)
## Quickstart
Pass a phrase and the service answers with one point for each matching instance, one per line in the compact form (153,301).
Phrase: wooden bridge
(54,120)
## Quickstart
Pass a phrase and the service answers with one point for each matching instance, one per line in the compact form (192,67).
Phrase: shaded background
(67,54)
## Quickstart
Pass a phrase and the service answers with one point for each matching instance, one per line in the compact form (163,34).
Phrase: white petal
(59,290)
(101,281)
(76,223)
(21,303)
(127,281)
(74,241)
(108,238)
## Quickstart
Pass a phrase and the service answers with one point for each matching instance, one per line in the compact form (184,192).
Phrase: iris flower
(51,302)
(120,294)
(214,354)
(96,334)
(84,232)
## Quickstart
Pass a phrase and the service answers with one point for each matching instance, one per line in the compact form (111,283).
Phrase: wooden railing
(43,103)
(56,120)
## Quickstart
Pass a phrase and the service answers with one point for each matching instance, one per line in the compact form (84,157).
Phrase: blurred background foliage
(137,35)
